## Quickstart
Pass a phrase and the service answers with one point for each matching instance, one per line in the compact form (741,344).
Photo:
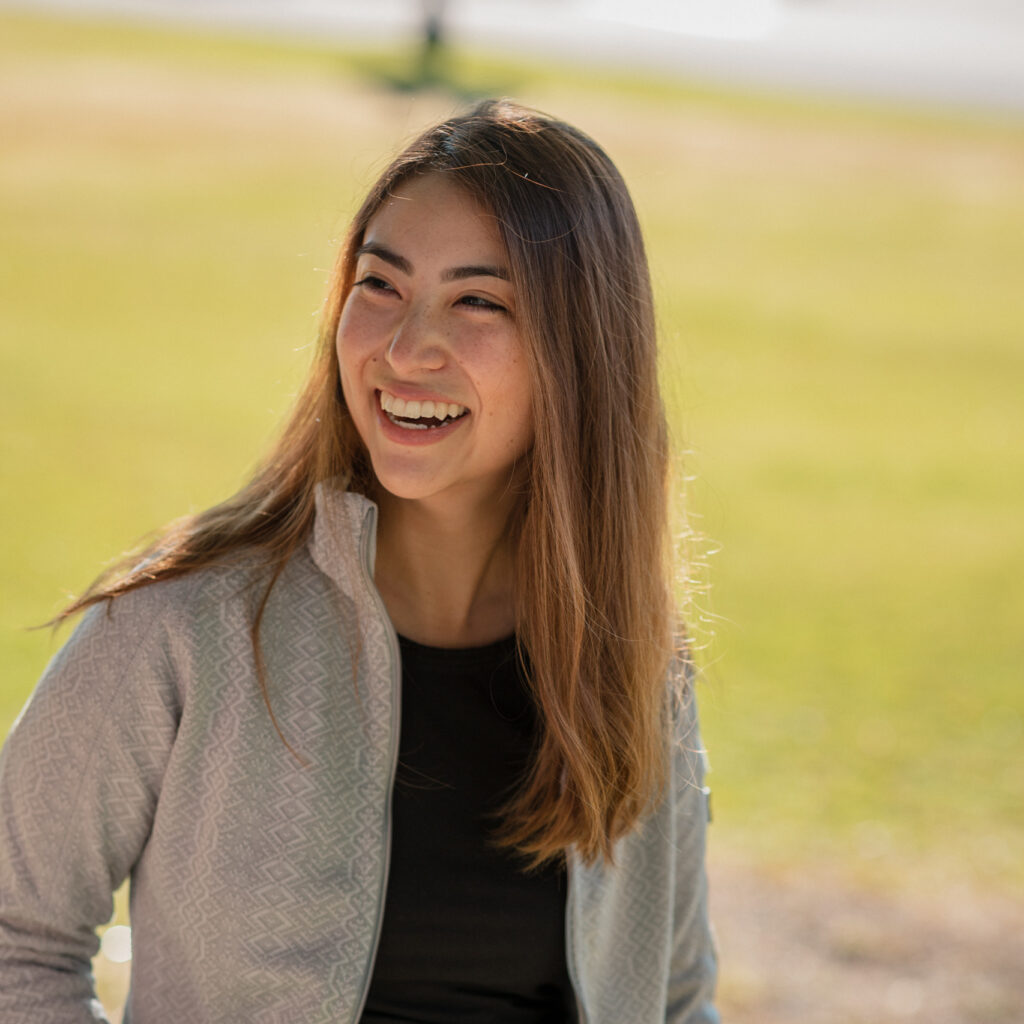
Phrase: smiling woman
(405,729)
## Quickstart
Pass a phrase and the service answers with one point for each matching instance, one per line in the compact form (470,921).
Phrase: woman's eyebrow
(385,254)
(460,273)
(382,252)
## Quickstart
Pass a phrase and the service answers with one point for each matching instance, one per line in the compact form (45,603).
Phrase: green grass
(840,292)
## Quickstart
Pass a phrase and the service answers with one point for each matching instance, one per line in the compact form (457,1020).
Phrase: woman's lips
(415,421)
(414,408)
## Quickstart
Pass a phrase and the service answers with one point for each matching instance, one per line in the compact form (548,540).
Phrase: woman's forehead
(432,214)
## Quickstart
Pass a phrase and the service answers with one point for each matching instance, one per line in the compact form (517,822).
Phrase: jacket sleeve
(79,779)
(694,966)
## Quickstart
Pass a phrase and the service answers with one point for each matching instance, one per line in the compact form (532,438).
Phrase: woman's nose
(417,344)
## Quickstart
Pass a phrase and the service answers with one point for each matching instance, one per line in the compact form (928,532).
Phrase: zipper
(570,945)
(367,542)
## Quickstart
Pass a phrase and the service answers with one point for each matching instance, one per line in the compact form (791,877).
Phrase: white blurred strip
(957,52)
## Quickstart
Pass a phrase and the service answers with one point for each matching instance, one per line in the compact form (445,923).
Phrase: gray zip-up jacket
(258,874)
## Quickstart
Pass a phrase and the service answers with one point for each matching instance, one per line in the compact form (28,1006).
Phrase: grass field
(843,315)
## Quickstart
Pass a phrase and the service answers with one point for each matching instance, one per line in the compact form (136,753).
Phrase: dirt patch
(816,950)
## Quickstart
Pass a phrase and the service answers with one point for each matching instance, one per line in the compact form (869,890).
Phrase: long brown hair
(594,612)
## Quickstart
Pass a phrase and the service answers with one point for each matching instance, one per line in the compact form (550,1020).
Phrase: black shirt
(467,934)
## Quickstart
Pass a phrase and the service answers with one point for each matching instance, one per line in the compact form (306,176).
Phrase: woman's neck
(446,577)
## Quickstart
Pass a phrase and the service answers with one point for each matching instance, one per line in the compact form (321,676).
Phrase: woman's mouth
(419,415)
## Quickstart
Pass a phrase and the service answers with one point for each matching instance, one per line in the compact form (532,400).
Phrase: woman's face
(432,363)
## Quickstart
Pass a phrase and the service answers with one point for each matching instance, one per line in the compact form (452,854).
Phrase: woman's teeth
(416,415)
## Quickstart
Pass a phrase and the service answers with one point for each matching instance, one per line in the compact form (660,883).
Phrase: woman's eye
(479,302)
(374,284)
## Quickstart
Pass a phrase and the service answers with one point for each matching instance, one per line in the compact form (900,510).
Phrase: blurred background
(833,197)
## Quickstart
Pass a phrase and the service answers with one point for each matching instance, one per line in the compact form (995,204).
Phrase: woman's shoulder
(164,624)
(169,604)
(185,593)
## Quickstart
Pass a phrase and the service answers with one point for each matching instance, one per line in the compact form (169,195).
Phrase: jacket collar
(344,532)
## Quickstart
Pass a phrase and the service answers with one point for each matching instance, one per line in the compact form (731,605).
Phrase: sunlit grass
(840,292)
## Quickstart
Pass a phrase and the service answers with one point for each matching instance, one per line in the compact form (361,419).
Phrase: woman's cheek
(358,336)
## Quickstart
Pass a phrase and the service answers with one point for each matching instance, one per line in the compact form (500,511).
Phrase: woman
(467,508)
